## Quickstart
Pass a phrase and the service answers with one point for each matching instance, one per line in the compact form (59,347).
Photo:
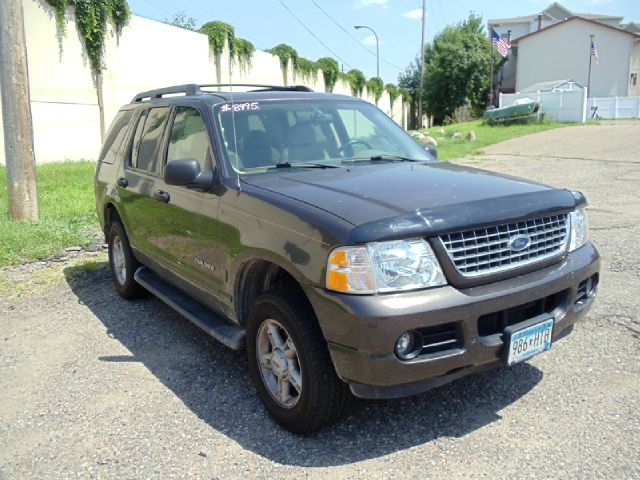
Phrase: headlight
(579,229)
(393,266)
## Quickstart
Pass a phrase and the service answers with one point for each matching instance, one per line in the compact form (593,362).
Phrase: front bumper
(361,331)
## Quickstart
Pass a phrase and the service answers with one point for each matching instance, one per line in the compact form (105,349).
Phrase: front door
(187,232)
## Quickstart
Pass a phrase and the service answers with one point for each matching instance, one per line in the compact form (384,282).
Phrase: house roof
(569,13)
(573,19)
(524,19)
(549,86)
(631,27)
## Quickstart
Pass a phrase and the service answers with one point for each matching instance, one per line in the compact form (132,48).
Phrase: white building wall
(147,55)
(563,52)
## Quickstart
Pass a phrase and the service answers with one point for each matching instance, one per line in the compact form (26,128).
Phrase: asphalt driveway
(96,387)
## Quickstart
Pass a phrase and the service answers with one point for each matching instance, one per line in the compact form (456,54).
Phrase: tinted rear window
(115,136)
(148,150)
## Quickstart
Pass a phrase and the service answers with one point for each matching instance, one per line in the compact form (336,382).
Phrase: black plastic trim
(230,335)
(466,215)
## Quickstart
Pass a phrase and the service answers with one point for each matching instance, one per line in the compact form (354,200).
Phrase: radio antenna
(236,167)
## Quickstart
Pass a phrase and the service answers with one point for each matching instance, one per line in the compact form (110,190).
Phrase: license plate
(524,344)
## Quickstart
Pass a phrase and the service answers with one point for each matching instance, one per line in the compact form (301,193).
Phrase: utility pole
(16,114)
(421,93)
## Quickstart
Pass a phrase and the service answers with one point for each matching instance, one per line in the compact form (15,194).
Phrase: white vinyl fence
(613,107)
(569,106)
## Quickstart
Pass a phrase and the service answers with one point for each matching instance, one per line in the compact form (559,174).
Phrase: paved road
(92,386)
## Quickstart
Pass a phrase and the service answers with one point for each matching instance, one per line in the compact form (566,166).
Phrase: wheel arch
(258,276)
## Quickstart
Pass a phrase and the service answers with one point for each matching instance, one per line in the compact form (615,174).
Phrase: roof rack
(187,89)
(190,89)
(262,88)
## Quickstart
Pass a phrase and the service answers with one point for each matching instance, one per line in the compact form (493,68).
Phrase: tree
(457,64)
(409,83)
(181,20)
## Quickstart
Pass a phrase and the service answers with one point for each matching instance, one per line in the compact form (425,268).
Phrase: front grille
(496,322)
(487,250)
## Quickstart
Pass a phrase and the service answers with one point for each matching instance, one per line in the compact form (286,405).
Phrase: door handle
(123,182)
(161,196)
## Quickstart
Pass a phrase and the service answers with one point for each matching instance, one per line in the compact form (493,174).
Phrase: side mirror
(186,173)
(432,150)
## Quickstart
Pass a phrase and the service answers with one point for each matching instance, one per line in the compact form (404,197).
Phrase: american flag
(594,52)
(499,43)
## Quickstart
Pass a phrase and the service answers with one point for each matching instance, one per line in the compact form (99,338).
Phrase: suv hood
(386,200)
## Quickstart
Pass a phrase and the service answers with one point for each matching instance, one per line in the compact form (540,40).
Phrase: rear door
(138,203)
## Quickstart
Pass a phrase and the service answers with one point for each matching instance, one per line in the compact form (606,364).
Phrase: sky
(329,23)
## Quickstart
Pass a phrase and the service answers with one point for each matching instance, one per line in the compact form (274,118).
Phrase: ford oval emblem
(519,242)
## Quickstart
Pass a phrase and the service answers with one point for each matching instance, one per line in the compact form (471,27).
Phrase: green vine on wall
(307,69)
(219,34)
(285,53)
(375,87)
(330,71)
(356,81)
(91,20)
(243,50)
(393,91)
(406,95)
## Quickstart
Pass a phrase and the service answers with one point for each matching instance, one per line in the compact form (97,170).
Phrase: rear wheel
(122,263)
(290,364)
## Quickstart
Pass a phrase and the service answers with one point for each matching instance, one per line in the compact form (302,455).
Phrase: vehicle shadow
(213,382)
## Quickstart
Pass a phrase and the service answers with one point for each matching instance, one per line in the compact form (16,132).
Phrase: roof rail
(187,89)
(190,89)
(262,88)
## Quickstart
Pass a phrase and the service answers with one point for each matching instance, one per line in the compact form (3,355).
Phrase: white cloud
(415,14)
(370,40)
(370,3)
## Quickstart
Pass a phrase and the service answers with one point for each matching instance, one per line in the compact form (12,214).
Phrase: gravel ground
(92,386)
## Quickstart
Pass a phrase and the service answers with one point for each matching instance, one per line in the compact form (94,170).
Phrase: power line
(157,7)
(313,34)
(352,36)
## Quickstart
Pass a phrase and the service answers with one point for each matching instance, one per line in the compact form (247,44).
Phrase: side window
(189,138)
(148,151)
(136,138)
(115,136)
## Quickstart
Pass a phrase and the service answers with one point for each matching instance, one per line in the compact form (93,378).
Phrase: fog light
(407,345)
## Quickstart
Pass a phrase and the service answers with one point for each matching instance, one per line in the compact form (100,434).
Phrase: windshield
(267,135)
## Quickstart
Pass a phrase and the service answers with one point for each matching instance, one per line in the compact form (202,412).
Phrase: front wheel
(290,364)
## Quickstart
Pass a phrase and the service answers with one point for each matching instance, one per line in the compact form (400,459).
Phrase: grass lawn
(450,149)
(67,214)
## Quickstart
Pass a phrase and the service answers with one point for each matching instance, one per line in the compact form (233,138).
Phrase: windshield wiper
(380,158)
(303,165)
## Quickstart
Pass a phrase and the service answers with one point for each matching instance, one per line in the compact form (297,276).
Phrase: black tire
(124,283)
(323,397)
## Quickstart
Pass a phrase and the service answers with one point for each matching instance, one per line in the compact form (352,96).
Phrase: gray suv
(311,230)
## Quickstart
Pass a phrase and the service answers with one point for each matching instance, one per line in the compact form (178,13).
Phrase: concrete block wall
(146,55)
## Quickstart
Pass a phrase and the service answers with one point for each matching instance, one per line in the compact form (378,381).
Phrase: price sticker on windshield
(240,107)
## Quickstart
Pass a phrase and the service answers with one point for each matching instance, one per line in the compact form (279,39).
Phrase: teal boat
(521,108)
